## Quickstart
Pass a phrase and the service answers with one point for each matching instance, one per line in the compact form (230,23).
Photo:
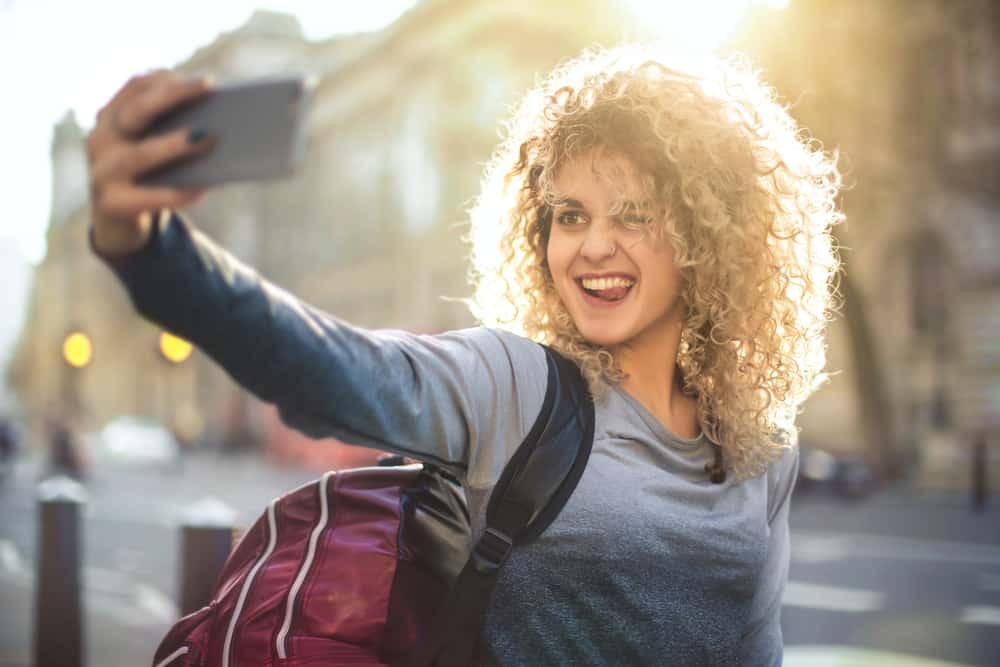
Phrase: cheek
(662,272)
(562,248)
(555,257)
(558,261)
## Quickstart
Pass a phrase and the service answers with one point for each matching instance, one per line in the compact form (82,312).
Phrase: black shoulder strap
(532,490)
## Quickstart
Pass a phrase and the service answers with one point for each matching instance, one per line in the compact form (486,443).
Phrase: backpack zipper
(272,528)
(306,564)
(173,656)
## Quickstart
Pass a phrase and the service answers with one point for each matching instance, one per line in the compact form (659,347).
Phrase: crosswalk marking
(832,598)
(850,656)
(982,615)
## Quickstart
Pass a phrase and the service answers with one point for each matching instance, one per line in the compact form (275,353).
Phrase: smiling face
(616,277)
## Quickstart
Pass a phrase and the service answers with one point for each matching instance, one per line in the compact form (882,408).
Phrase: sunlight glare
(696,28)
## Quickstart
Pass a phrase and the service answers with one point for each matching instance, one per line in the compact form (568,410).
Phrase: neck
(653,378)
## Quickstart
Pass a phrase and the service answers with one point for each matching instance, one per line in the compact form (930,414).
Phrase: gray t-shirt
(649,563)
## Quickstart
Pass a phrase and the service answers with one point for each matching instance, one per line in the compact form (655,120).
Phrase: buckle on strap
(491,551)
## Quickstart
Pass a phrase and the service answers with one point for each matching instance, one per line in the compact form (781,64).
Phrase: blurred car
(821,471)
(136,440)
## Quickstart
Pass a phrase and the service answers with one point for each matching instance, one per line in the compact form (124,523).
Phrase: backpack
(375,566)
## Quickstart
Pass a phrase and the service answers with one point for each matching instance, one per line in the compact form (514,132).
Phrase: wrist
(116,240)
(115,249)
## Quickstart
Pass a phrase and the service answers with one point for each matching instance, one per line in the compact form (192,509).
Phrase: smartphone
(257,127)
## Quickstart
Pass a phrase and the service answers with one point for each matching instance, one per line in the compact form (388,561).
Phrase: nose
(600,242)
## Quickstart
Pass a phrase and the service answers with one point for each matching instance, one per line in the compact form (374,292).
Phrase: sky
(57,55)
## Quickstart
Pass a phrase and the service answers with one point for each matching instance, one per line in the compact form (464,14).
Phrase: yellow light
(174,349)
(77,350)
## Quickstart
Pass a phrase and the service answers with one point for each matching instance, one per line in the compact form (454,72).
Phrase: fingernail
(197,134)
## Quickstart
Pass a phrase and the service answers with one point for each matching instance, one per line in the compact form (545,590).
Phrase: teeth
(606,283)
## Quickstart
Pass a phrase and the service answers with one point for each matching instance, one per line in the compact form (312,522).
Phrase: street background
(895,521)
(902,573)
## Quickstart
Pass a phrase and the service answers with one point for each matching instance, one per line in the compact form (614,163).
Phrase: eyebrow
(626,205)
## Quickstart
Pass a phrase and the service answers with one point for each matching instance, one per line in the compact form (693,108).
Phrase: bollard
(58,640)
(206,540)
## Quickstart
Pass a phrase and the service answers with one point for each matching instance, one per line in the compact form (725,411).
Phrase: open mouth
(610,289)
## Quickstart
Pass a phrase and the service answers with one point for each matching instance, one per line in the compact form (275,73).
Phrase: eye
(571,218)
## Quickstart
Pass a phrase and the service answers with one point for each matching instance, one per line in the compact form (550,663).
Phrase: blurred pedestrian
(667,228)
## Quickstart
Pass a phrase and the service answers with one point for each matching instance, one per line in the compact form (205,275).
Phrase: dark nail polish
(196,135)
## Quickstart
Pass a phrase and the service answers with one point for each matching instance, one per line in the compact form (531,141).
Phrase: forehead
(599,174)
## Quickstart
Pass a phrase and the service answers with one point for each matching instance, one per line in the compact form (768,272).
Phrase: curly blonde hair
(751,202)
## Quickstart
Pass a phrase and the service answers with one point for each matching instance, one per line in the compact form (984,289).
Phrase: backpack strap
(532,490)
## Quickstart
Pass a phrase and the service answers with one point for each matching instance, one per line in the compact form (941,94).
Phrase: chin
(602,336)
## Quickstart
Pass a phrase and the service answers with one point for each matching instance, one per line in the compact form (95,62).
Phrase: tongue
(612,293)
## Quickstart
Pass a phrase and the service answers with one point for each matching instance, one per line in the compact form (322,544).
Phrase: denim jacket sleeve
(463,399)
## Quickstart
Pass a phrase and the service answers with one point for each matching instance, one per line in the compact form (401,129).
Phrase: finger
(128,160)
(104,130)
(167,92)
(125,201)
(135,86)
(139,82)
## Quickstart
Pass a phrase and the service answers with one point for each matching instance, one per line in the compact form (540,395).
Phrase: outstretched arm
(464,400)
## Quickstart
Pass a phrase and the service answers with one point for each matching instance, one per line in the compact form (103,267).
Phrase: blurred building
(370,227)
(909,92)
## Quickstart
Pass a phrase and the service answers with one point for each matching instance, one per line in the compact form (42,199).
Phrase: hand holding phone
(256,128)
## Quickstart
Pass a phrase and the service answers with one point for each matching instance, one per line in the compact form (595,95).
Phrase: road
(901,572)
(897,573)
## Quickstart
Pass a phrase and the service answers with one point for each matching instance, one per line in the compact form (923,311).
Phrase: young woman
(668,230)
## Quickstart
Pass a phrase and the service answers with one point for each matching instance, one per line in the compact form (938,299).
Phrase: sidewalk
(125,613)
(108,641)
(15,638)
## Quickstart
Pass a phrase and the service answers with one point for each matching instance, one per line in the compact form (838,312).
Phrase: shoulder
(503,351)
(782,472)
(509,375)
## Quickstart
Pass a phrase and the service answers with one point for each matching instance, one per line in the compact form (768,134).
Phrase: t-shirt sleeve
(762,642)
(463,400)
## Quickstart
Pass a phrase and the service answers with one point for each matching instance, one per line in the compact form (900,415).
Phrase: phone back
(257,127)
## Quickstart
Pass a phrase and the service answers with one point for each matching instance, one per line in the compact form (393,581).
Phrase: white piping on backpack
(173,656)
(304,570)
(272,538)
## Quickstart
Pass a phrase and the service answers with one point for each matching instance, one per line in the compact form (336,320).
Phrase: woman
(666,229)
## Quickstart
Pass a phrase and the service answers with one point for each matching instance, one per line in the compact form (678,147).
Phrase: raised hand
(122,210)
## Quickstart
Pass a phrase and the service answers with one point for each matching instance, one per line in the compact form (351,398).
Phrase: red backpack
(375,566)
